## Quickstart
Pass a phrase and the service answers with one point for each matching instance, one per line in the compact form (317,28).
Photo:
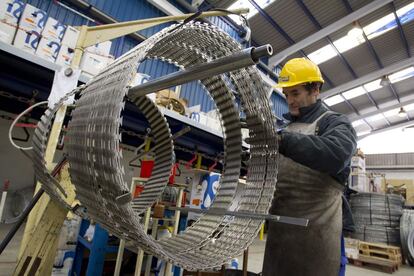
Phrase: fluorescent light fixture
(375,118)
(353,93)
(358,123)
(323,54)
(333,100)
(348,42)
(362,133)
(402,75)
(390,113)
(373,85)
(246,4)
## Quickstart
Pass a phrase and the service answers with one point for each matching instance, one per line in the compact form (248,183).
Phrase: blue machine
(98,248)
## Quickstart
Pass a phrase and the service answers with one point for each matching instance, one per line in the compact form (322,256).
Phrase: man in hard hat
(316,149)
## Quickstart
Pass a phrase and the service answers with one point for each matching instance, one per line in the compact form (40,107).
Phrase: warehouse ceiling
(368,72)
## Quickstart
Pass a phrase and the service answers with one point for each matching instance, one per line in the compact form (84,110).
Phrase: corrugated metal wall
(390,160)
(138,9)
(279,105)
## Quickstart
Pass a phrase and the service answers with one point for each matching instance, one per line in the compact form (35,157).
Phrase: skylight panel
(375,118)
(376,28)
(242,4)
(323,54)
(353,93)
(334,100)
(373,85)
(380,26)
(348,42)
(401,75)
(362,133)
(358,123)
(409,107)
(390,113)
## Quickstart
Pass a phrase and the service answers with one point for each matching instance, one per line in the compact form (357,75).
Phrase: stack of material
(377,217)
(407,235)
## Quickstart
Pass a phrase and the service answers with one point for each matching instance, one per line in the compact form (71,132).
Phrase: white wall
(14,165)
(17,168)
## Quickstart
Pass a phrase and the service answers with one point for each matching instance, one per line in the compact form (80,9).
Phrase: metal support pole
(140,254)
(22,218)
(242,59)
(153,235)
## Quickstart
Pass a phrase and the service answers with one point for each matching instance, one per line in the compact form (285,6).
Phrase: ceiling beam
(354,117)
(368,77)
(347,20)
(391,127)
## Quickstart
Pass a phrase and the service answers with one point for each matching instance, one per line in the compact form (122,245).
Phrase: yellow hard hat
(297,71)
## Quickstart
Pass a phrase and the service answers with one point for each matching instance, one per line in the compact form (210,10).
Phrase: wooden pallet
(375,263)
(381,251)
(379,247)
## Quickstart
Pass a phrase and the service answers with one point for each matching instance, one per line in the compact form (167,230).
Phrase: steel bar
(222,212)
(218,66)
(22,218)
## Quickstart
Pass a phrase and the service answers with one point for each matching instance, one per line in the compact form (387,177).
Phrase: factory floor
(256,251)
(255,261)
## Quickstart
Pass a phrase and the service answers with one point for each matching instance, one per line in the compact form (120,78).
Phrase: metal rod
(224,212)
(244,58)
(22,217)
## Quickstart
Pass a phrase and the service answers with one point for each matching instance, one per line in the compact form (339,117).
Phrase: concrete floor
(255,261)
(256,251)
(9,256)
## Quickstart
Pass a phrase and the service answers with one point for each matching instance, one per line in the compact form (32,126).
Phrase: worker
(315,148)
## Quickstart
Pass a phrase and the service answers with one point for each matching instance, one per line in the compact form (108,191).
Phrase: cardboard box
(100,49)
(358,161)
(70,37)
(48,49)
(65,56)
(92,64)
(27,41)
(11,11)
(7,32)
(351,248)
(359,182)
(54,30)
(33,19)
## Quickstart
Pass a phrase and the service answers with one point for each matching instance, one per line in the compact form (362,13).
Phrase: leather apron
(304,193)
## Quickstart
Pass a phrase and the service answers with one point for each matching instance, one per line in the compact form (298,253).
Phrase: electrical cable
(16,120)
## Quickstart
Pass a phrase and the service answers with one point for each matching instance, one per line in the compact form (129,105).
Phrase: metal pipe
(244,58)
(223,212)
(22,217)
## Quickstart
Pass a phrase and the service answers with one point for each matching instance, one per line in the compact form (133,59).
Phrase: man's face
(297,96)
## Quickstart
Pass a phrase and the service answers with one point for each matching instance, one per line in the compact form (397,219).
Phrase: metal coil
(377,217)
(95,155)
